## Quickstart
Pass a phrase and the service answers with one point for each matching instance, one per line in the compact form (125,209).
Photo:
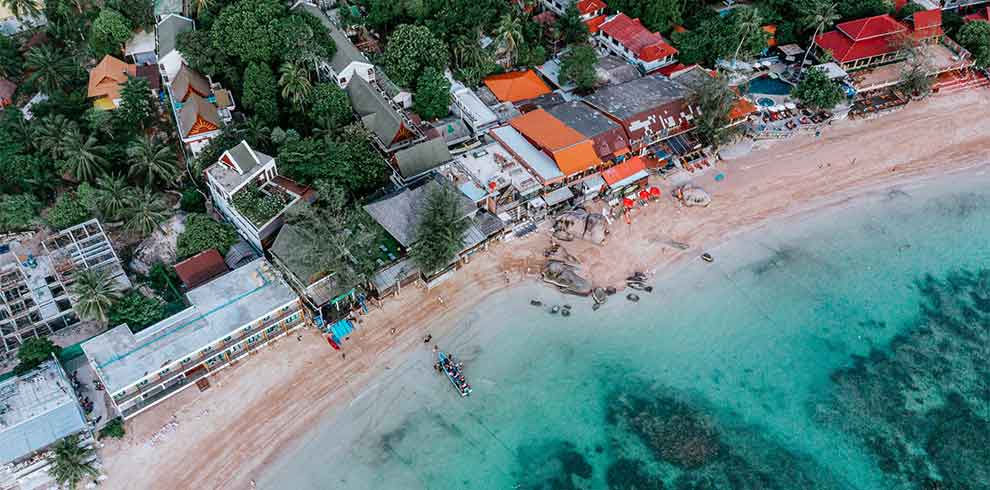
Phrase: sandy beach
(224,437)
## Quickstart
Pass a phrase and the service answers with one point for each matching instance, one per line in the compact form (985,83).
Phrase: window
(165,371)
(228,338)
(187,360)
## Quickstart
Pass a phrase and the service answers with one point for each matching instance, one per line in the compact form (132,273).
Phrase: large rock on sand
(695,196)
(566,278)
(579,223)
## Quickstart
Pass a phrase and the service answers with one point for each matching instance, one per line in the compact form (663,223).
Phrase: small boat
(555,310)
(632,297)
(535,302)
(453,372)
(567,307)
(566,312)
(707,257)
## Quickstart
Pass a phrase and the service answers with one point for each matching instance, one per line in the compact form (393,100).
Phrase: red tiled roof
(516,86)
(200,268)
(646,45)
(595,23)
(669,70)
(741,109)
(623,170)
(899,4)
(877,26)
(927,19)
(982,14)
(590,6)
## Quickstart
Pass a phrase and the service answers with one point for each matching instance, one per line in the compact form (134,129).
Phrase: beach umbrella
(655,191)
(628,203)
(644,195)
(719,177)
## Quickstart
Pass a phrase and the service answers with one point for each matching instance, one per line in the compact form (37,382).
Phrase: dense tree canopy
(410,50)
(577,66)
(136,310)
(18,212)
(67,211)
(714,98)
(817,91)
(432,99)
(348,160)
(261,92)
(33,352)
(440,231)
(975,37)
(330,106)
(109,32)
(203,233)
(721,37)
(250,30)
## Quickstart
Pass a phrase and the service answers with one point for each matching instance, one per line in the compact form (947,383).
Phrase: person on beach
(428,338)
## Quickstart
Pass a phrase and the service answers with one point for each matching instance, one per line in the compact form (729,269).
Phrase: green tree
(749,27)
(203,233)
(714,99)
(817,91)
(49,135)
(67,211)
(50,70)
(113,429)
(331,108)
(201,55)
(410,50)
(250,30)
(95,291)
(112,196)
(33,352)
(295,83)
(136,105)
(69,462)
(18,212)
(820,15)
(711,40)
(572,28)
(439,231)
(140,13)
(152,161)
(975,37)
(146,212)
(192,201)
(23,9)
(109,32)
(577,66)
(432,100)
(349,159)
(11,61)
(662,15)
(916,70)
(261,92)
(137,311)
(85,157)
(510,35)
(858,9)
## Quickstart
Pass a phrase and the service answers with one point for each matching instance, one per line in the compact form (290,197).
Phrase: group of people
(453,369)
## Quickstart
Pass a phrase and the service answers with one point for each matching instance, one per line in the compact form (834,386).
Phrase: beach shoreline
(264,409)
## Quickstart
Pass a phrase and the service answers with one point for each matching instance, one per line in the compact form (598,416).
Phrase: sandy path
(258,408)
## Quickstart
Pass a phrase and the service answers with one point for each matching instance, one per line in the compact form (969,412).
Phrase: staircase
(955,83)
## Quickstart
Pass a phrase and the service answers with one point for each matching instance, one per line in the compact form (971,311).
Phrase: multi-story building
(629,39)
(650,109)
(228,318)
(35,280)
(248,191)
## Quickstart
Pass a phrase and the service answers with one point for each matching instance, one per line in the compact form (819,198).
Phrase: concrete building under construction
(229,317)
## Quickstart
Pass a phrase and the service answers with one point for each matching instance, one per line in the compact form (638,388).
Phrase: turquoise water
(767,85)
(842,350)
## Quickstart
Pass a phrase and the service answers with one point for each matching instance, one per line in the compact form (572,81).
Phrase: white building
(629,39)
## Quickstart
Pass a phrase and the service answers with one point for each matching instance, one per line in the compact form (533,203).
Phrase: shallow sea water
(846,349)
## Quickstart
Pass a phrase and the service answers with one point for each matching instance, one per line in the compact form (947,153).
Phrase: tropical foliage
(203,233)
(261,92)
(95,291)
(410,50)
(975,37)
(18,212)
(33,352)
(257,206)
(440,231)
(137,311)
(152,161)
(817,91)
(109,32)
(69,462)
(67,211)
(331,108)
(146,212)
(577,66)
(432,98)
(713,96)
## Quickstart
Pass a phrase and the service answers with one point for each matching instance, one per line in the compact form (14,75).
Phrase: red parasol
(655,191)
(644,195)
(628,203)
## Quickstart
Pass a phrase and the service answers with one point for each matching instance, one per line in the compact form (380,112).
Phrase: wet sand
(257,410)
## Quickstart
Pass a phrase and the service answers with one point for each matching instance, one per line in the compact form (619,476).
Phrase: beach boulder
(694,196)
(579,223)
(565,277)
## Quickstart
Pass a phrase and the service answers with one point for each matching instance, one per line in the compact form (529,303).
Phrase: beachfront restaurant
(229,317)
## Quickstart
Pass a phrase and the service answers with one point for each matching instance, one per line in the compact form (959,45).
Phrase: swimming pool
(765,102)
(769,86)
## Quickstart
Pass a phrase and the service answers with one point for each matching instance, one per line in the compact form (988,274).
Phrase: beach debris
(707,257)
(555,310)
(428,338)
(632,297)
(566,278)
(692,195)
(637,285)
(535,302)
(161,434)
(566,312)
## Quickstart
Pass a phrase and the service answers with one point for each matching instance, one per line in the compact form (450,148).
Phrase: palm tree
(51,69)
(113,196)
(23,8)
(152,159)
(85,159)
(200,6)
(294,82)
(511,33)
(95,292)
(49,135)
(748,21)
(823,14)
(146,212)
(70,462)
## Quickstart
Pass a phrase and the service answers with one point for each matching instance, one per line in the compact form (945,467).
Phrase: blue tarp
(341,329)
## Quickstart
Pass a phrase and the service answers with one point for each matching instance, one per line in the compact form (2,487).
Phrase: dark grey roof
(243,157)
(240,253)
(290,240)
(614,70)
(376,114)
(634,97)
(692,77)
(346,52)
(168,30)
(399,213)
(422,157)
(194,108)
(488,223)
(453,130)
(583,118)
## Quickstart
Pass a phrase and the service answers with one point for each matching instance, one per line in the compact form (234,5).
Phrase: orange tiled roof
(106,78)
(516,86)
(741,109)
(623,170)
(571,151)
